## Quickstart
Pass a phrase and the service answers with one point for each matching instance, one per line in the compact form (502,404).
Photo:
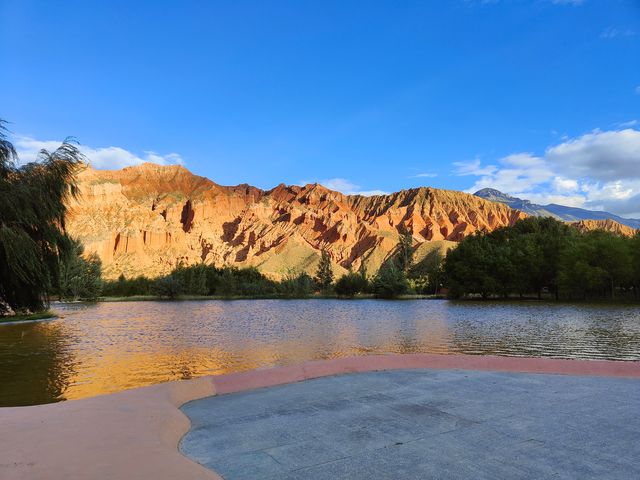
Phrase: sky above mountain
(539,98)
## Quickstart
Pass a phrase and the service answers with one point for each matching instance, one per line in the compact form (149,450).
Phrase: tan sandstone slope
(146,219)
(607,225)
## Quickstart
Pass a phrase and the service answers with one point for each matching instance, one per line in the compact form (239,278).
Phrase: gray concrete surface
(423,424)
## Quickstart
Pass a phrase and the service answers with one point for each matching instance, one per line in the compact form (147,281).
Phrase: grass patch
(30,316)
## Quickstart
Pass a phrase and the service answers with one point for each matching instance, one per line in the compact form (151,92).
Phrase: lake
(107,347)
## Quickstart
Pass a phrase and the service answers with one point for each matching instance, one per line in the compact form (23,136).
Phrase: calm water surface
(107,347)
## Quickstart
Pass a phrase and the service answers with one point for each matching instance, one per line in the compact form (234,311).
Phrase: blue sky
(538,98)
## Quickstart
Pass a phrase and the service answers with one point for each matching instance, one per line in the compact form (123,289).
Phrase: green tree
(296,284)
(33,199)
(390,281)
(200,281)
(542,253)
(169,287)
(426,275)
(80,277)
(634,248)
(404,255)
(227,284)
(324,273)
(549,237)
(124,287)
(469,268)
(596,264)
(193,278)
(351,283)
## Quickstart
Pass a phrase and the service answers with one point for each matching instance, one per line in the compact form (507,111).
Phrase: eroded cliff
(146,219)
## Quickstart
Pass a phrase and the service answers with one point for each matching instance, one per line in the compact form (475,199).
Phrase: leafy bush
(351,283)
(169,287)
(296,285)
(124,287)
(390,281)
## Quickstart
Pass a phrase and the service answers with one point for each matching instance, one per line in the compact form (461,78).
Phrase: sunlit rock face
(608,225)
(146,219)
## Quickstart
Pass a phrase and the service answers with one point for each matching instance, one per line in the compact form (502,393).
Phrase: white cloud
(369,193)
(565,184)
(547,198)
(613,32)
(637,90)
(599,170)
(514,174)
(473,167)
(347,187)
(630,123)
(425,175)
(101,158)
(603,156)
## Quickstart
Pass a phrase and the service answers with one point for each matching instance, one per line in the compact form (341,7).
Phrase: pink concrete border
(134,434)
(235,382)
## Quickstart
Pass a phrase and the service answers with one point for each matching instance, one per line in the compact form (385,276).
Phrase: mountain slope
(559,212)
(607,225)
(147,219)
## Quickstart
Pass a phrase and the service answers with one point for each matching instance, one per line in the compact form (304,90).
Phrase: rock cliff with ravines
(145,220)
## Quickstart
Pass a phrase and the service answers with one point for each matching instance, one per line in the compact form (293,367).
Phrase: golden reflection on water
(108,347)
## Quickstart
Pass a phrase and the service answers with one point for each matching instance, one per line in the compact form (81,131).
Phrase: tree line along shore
(535,258)
(539,257)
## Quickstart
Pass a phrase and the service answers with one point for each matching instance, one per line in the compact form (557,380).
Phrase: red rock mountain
(148,218)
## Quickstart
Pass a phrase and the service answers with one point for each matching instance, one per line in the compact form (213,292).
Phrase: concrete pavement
(421,424)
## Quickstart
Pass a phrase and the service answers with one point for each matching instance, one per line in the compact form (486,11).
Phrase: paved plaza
(421,424)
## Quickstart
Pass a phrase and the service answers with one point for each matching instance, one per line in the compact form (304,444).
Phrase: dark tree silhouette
(33,201)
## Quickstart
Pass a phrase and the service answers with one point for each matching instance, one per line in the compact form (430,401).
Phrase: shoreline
(135,434)
(491,301)
(366,296)
(30,318)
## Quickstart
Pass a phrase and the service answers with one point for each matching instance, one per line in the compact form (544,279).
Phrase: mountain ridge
(149,218)
(554,210)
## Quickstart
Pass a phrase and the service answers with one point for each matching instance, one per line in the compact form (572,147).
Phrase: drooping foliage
(80,276)
(32,210)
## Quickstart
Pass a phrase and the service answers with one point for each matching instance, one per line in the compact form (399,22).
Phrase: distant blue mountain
(559,212)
